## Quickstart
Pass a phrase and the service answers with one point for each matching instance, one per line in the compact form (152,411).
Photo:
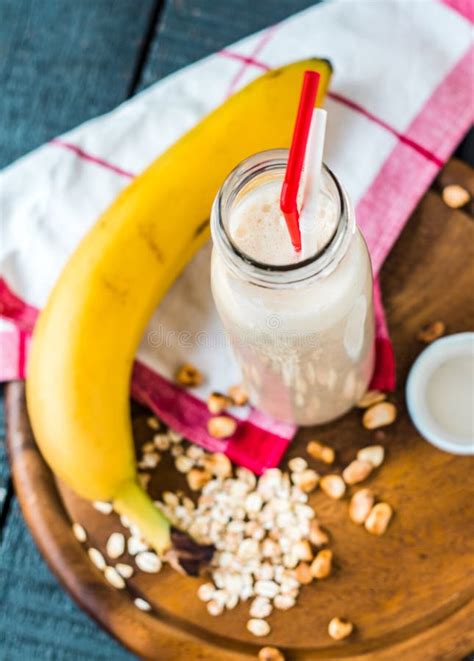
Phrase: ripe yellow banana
(87,335)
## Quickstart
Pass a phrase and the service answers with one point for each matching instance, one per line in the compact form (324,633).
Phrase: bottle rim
(278,275)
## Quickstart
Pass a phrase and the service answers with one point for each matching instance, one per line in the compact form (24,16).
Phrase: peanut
(238,395)
(322,564)
(357,471)
(339,628)
(217,402)
(270,654)
(321,452)
(333,486)
(378,519)
(374,454)
(197,478)
(360,506)
(379,415)
(221,426)
(303,550)
(455,196)
(189,376)
(370,398)
(303,573)
(431,332)
(218,464)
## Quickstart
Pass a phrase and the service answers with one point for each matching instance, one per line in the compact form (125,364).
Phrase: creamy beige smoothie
(302,330)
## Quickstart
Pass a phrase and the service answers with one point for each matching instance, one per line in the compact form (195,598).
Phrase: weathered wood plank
(192,29)
(37,618)
(63,62)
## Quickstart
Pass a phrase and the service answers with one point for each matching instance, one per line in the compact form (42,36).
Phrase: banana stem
(134,503)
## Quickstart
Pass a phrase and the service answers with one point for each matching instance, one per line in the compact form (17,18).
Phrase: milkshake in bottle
(302,328)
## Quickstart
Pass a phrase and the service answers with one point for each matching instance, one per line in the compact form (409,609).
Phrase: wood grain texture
(192,29)
(409,593)
(63,62)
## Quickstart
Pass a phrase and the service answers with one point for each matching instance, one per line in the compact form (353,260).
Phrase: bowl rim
(432,356)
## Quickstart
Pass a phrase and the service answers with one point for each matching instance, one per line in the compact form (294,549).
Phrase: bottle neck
(245,179)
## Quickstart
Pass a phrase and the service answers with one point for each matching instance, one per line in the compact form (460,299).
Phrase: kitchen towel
(400,101)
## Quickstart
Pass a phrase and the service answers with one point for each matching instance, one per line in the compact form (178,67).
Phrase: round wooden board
(409,592)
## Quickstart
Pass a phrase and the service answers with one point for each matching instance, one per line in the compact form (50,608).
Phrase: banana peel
(86,337)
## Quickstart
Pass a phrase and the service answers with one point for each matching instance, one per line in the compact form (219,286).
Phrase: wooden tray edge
(50,528)
(114,612)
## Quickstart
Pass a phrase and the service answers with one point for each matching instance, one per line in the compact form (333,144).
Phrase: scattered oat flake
(102,506)
(161,442)
(153,423)
(97,558)
(149,460)
(195,452)
(114,578)
(215,607)
(284,602)
(170,498)
(183,464)
(258,627)
(174,436)
(260,607)
(149,446)
(136,545)
(246,476)
(142,604)
(124,570)
(206,591)
(115,546)
(148,562)
(79,532)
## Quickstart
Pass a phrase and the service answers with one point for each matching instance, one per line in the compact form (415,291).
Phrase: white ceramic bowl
(423,370)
